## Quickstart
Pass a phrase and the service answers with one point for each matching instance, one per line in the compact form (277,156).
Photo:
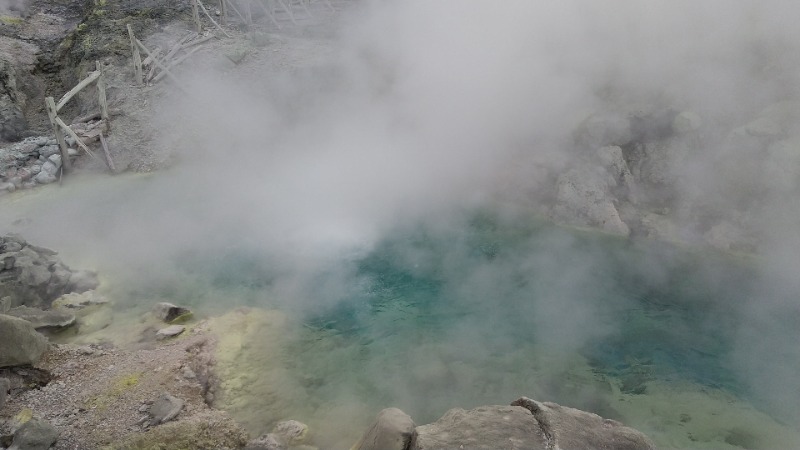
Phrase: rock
(12,120)
(266,442)
(44,177)
(392,430)
(169,312)
(35,434)
(78,300)
(569,428)
(7,187)
(82,281)
(39,318)
(486,427)
(55,159)
(20,343)
(583,199)
(170,331)
(50,167)
(291,432)
(49,150)
(686,122)
(614,162)
(236,54)
(5,385)
(164,409)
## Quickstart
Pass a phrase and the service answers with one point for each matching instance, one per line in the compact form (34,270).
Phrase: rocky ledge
(525,424)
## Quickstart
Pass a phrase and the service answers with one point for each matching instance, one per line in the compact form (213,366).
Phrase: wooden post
(101,98)
(249,12)
(52,113)
(196,16)
(288,11)
(223,9)
(137,58)
(109,161)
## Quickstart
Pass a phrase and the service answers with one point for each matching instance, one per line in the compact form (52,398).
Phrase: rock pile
(36,160)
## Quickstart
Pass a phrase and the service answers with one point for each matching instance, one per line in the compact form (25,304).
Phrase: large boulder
(524,425)
(484,428)
(35,434)
(41,319)
(570,428)
(392,430)
(584,198)
(20,343)
(34,276)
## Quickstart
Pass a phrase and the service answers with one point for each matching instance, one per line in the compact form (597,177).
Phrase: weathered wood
(101,96)
(236,10)
(212,19)
(249,12)
(196,16)
(52,113)
(147,61)
(303,3)
(137,58)
(197,42)
(162,67)
(223,9)
(269,13)
(85,82)
(288,11)
(78,140)
(175,63)
(109,161)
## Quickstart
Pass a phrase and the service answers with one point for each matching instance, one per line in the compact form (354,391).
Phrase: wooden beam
(197,41)
(52,113)
(212,19)
(236,10)
(175,63)
(223,9)
(196,16)
(137,58)
(85,82)
(78,140)
(109,161)
(162,66)
(101,97)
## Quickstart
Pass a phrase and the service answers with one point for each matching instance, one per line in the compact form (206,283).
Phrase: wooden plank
(175,63)
(269,13)
(78,140)
(85,82)
(162,67)
(109,161)
(52,113)
(149,60)
(137,58)
(197,41)
(101,96)
(223,9)
(196,16)
(211,18)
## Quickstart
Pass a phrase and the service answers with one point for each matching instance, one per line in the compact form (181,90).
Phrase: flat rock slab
(20,343)
(165,409)
(51,318)
(484,428)
(170,331)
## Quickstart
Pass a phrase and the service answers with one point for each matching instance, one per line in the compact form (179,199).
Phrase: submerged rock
(20,343)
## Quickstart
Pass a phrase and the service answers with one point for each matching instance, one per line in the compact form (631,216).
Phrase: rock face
(12,121)
(525,425)
(40,319)
(34,276)
(5,385)
(168,312)
(392,430)
(19,342)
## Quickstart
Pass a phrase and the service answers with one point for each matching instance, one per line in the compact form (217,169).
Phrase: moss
(9,20)
(118,387)
(23,416)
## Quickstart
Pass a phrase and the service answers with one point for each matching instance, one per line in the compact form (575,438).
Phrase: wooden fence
(60,127)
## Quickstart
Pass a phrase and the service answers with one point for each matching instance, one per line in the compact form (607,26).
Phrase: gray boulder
(20,343)
(35,434)
(584,198)
(392,430)
(164,409)
(484,428)
(170,331)
(569,428)
(40,319)
(168,312)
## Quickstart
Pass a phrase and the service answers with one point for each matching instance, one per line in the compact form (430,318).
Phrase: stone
(78,300)
(44,177)
(170,331)
(614,162)
(55,159)
(168,312)
(484,428)
(164,409)
(392,430)
(82,281)
(20,343)
(291,432)
(583,198)
(236,54)
(49,150)
(5,386)
(52,318)
(266,442)
(35,434)
(570,428)
(50,167)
